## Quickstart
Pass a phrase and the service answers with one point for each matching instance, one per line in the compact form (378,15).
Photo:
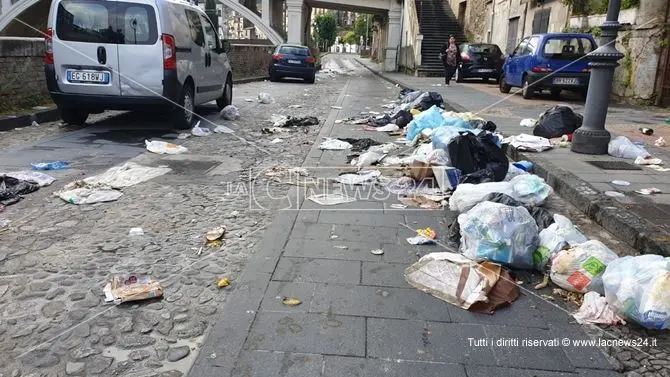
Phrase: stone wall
(22,82)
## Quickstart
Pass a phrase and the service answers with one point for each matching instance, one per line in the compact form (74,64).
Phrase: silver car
(135,54)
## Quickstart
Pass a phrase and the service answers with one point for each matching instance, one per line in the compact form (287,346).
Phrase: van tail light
(310,60)
(541,69)
(277,57)
(465,57)
(49,47)
(169,52)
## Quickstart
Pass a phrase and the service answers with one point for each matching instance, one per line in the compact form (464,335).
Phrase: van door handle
(208,59)
(102,55)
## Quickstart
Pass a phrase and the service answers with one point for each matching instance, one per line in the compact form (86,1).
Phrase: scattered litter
(273,130)
(163,147)
(387,128)
(336,107)
(12,189)
(367,159)
(136,232)
(277,140)
(291,301)
(35,124)
(530,143)
(330,199)
(298,122)
(580,268)
(614,194)
(622,147)
(265,98)
(638,287)
(648,161)
(359,178)
(544,283)
(128,287)
(646,131)
(499,233)
(556,237)
(219,129)
(398,206)
(660,142)
(339,121)
(230,112)
(183,136)
(364,144)
(214,238)
(648,191)
(89,195)
(423,202)
(294,106)
(621,183)
(32,176)
(528,189)
(595,309)
(200,131)
(557,121)
(249,99)
(334,144)
(481,287)
(222,283)
(658,168)
(528,122)
(343,247)
(55,165)
(377,252)
(424,237)
(334,236)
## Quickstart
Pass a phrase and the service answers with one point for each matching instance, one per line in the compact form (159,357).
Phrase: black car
(479,60)
(293,61)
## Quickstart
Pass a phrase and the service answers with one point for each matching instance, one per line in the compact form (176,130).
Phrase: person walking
(450,58)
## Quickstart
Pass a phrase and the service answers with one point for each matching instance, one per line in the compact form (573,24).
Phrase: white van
(132,55)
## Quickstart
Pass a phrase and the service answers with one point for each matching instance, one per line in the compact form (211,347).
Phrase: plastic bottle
(54,165)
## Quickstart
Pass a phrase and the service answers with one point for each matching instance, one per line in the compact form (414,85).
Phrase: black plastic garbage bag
(402,118)
(483,125)
(360,145)
(11,189)
(542,216)
(380,121)
(478,157)
(410,96)
(556,122)
(428,100)
(301,122)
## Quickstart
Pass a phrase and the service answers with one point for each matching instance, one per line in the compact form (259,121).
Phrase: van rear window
(106,22)
(567,48)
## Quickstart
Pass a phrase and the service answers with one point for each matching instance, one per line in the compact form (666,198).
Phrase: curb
(247,80)
(614,217)
(604,211)
(11,122)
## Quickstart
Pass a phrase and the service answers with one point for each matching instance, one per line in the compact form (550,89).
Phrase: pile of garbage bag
(556,122)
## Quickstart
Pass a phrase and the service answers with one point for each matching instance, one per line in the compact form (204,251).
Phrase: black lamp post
(592,137)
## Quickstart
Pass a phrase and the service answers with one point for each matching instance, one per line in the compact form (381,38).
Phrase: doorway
(512,34)
(461,13)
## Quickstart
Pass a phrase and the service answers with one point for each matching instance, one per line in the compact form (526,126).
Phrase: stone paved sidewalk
(643,222)
(358,316)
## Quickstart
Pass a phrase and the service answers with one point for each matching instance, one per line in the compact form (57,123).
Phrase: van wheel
(75,117)
(227,97)
(527,91)
(503,86)
(184,113)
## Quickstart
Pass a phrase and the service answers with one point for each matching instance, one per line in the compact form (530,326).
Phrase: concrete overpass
(33,14)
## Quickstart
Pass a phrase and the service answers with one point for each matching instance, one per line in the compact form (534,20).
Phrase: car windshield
(567,48)
(290,50)
(485,48)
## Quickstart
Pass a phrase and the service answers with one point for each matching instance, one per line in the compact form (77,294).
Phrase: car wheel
(311,79)
(227,96)
(75,117)
(555,92)
(527,91)
(185,112)
(459,76)
(502,85)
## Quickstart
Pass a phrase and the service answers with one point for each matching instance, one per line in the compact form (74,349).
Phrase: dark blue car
(553,62)
(293,61)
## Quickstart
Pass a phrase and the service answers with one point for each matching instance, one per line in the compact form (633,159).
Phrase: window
(83,21)
(486,48)
(138,24)
(519,50)
(541,21)
(532,45)
(195,26)
(290,50)
(568,48)
(211,40)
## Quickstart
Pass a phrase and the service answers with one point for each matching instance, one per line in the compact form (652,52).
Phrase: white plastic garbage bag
(89,195)
(34,176)
(163,147)
(525,142)
(513,171)
(265,98)
(200,131)
(126,175)
(595,309)
(580,268)
(528,189)
(367,159)
(499,233)
(622,147)
(556,237)
(334,144)
(638,287)
(230,112)
(528,122)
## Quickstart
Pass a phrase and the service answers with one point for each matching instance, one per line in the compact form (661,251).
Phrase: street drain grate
(614,165)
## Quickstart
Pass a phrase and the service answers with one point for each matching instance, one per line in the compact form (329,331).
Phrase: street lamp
(592,137)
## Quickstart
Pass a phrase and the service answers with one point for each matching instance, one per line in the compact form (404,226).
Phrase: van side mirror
(226,47)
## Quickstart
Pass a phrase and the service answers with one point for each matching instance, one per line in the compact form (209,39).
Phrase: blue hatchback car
(553,62)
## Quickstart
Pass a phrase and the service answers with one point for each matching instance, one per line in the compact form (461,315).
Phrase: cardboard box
(420,170)
(447,178)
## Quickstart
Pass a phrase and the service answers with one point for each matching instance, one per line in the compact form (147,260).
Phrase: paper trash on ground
(128,287)
(525,142)
(334,144)
(331,199)
(528,122)
(357,179)
(163,147)
(595,309)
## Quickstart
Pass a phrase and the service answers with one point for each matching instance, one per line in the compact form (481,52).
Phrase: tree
(350,38)
(325,30)
(363,26)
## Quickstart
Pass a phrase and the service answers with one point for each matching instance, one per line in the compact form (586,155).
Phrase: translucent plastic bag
(639,288)
(433,118)
(580,269)
(499,233)
(528,189)
(556,237)
(230,112)
(33,176)
(622,147)
(265,98)
(163,147)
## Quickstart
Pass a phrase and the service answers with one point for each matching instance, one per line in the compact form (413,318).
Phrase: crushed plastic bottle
(54,165)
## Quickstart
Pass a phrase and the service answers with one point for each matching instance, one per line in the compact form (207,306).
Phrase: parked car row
(552,61)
